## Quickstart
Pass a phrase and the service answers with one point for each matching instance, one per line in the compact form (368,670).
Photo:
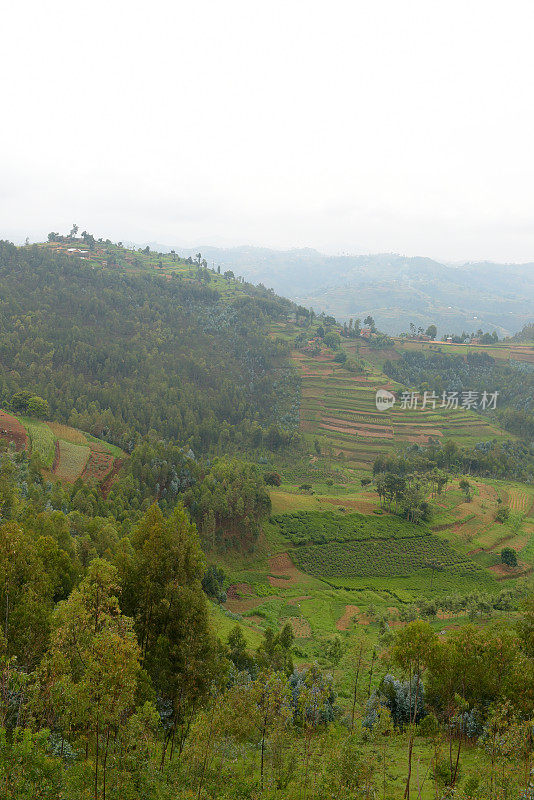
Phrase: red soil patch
(107,483)
(237,603)
(99,464)
(502,572)
(237,590)
(12,430)
(283,573)
(357,425)
(239,606)
(358,431)
(301,627)
(345,620)
(422,438)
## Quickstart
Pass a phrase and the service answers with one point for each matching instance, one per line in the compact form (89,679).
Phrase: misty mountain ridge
(395,289)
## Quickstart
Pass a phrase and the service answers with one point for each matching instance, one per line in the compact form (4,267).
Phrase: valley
(172,427)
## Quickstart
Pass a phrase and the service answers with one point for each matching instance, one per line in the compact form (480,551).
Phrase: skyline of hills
(395,289)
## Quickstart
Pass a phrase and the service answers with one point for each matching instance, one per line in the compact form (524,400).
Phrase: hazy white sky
(350,126)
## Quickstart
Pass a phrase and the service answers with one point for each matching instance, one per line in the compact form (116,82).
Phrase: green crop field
(381,558)
(72,460)
(42,440)
(320,527)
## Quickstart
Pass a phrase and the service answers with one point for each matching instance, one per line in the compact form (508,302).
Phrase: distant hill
(526,334)
(395,289)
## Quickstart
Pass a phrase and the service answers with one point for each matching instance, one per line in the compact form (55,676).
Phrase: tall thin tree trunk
(262,751)
(455,775)
(412,733)
(204,765)
(172,739)
(6,624)
(104,763)
(373,657)
(356,688)
(96,757)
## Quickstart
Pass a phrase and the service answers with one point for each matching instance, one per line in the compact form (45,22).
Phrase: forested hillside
(119,354)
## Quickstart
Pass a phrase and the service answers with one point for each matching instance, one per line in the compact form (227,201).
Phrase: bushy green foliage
(381,557)
(509,459)
(509,557)
(319,527)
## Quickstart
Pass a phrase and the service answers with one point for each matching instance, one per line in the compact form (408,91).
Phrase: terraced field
(339,408)
(82,456)
(65,453)
(520,498)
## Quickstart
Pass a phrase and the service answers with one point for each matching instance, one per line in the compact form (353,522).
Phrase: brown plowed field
(12,430)
(345,620)
(283,573)
(99,464)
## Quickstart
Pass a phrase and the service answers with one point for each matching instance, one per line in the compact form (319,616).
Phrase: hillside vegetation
(119,355)
(224,573)
(389,286)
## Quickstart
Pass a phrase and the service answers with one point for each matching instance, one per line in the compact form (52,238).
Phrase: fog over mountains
(396,289)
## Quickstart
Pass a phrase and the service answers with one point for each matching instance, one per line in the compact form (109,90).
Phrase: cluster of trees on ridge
(526,334)
(510,459)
